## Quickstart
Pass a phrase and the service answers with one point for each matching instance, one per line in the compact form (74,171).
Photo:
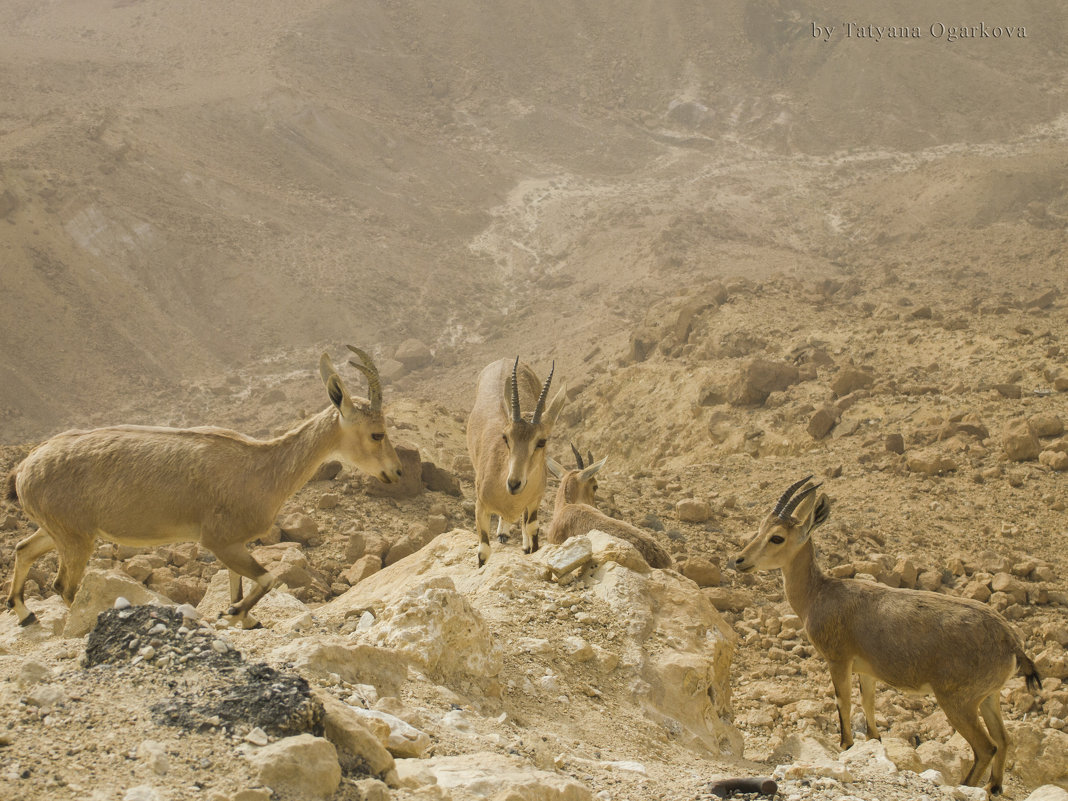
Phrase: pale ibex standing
(920,642)
(146,486)
(576,511)
(508,452)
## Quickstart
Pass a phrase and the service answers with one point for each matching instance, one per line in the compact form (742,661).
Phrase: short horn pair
(374,382)
(785,507)
(578,457)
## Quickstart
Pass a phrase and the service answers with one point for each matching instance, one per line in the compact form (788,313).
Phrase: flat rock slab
(573,554)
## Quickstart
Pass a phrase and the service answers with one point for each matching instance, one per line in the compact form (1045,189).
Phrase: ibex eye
(777,540)
(541,443)
(378,436)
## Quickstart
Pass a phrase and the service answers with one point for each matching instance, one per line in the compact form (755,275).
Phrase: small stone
(155,755)
(328,500)
(895,443)
(143,792)
(122,603)
(930,462)
(573,554)
(32,672)
(300,528)
(304,766)
(220,646)
(702,571)
(1054,460)
(821,423)
(257,737)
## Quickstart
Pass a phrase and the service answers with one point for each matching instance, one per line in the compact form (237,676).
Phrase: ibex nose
(513,485)
(735,562)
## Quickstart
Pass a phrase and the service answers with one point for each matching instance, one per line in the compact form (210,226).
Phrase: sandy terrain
(196,202)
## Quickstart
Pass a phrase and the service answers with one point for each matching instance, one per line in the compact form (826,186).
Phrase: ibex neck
(802,579)
(294,457)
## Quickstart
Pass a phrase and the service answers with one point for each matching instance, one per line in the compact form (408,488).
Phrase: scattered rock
(850,379)
(490,775)
(691,510)
(98,592)
(1054,460)
(300,528)
(410,484)
(1019,441)
(702,571)
(1046,424)
(569,556)
(930,462)
(358,747)
(403,739)
(821,423)
(327,471)
(438,479)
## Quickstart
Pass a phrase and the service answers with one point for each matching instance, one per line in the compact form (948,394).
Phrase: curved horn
(516,416)
(541,400)
(777,512)
(374,383)
(578,456)
(589,456)
(789,510)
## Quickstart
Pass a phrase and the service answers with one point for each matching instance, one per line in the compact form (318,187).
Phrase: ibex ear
(555,467)
(812,511)
(555,406)
(591,470)
(334,388)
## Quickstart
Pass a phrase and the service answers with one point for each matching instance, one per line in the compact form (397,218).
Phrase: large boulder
(413,354)
(1039,755)
(358,747)
(302,767)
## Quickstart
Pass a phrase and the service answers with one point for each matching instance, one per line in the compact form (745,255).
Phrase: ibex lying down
(576,511)
(143,485)
(508,452)
(920,642)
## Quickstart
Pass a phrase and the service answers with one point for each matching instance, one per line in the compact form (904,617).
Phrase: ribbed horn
(541,400)
(789,510)
(777,512)
(374,383)
(578,456)
(516,416)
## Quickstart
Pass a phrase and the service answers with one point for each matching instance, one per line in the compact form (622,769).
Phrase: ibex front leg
(241,563)
(482,522)
(530,530)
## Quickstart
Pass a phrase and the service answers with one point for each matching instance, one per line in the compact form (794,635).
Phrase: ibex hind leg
(240,562)
(26,553)
(991,711)
(73,558)
(965,719)
(482,523)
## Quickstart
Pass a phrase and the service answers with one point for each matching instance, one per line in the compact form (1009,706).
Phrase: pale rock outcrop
(98,592)
(303,766)
(354,663)
(682,649)
(488,775)
(438,608)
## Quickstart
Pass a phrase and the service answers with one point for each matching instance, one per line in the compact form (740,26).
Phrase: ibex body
(920,642)
(146,486)
(576,511)
(508,451)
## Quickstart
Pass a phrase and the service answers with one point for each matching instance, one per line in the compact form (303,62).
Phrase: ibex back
(508,451)
(143,485)
(920,642)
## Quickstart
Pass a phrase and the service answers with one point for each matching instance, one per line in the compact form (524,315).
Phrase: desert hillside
(754,251)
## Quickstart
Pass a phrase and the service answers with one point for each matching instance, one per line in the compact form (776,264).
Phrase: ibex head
(786,529)
(364,441)
(525,440)
(580,483)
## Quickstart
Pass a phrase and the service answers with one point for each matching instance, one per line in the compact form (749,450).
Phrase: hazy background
(191,190)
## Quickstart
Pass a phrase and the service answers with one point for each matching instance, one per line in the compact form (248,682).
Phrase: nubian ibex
(576,511)
(148,486)
(508,451)
(919,642)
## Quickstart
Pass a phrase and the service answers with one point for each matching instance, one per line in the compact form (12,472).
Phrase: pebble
(219,646)
(188,611)
(122,603)
(257,737)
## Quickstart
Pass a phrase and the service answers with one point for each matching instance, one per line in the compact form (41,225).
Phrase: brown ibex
(919,642)
(146,486)
(508,451)
(576,511)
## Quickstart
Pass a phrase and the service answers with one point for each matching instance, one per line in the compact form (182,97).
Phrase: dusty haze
(198,199)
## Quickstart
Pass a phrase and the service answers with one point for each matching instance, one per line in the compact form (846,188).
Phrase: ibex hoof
(481,561)
(526,550)
(502,538)
(29,620)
